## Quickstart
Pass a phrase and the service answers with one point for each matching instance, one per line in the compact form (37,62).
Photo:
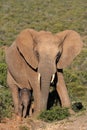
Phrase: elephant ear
(72,45)
(25,44)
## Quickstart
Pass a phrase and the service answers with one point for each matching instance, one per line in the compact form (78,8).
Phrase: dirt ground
(75,122)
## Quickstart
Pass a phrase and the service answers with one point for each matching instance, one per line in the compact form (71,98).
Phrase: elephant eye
(37,55)
(58,57)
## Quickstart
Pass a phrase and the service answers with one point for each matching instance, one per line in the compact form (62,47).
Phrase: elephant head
(47,52)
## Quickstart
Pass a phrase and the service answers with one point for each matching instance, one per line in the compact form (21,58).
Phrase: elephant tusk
(52,78)
(39,77)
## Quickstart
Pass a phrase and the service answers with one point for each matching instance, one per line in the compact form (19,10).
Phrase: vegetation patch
(6,103)
(3,72)
(78,106)
(54,114)
(23,128)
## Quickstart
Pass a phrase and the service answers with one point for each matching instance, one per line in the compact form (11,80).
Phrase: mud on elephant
(34,58)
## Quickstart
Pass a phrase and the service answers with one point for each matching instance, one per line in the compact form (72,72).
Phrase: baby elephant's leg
(25,97)
(25,109)
(20,108)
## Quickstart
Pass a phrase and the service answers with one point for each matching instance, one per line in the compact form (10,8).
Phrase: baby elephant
(24,101)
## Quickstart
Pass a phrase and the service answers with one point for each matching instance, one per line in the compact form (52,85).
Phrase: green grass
(54,16)
(23,128)
(3,72)
(54,114)
(6,103)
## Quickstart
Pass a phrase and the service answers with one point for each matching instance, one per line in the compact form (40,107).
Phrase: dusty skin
(41,54)
(76,122)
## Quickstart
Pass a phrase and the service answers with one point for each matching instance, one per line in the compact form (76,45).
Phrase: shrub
(3,70)
(77,106)
(5,103)
(54,114)
(23,128)
(70,76)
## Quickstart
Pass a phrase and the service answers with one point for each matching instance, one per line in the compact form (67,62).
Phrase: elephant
(33,60)
(24,101)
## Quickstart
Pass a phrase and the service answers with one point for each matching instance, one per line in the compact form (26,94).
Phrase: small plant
(5,103)
(3,71)
(54,114)
(78,106)
(23,128)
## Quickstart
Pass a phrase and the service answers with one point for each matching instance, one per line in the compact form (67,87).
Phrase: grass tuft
(54,114)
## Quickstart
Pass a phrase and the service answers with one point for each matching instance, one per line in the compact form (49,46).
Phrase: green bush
(2,55)
(78,106)
(3,72)
(23,128)
(54,114)
(71,76)
(5,103)
(75,76)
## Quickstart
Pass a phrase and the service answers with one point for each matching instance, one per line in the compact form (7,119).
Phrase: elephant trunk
(46,76)
(45,83)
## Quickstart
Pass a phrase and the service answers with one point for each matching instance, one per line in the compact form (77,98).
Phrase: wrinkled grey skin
(24,101)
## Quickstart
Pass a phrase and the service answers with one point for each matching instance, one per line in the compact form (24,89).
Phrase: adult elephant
(34,58)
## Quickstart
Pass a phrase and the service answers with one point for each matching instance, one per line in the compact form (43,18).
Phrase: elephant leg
(25,110)
(14,91)
(15,97)
(37,98)
(62,91)
(31,110)
(25,107)
(36,104)
(20,109)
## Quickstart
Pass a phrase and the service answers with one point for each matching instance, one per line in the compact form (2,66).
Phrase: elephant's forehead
(48,48)
(48,40)
(48,43)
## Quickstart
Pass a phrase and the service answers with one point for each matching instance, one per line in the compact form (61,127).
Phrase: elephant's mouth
(52,78)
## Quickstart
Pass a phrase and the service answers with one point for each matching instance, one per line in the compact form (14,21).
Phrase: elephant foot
(17,117)
(71,111)
(35,114)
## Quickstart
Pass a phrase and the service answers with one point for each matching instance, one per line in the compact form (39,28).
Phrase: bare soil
(75,122)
